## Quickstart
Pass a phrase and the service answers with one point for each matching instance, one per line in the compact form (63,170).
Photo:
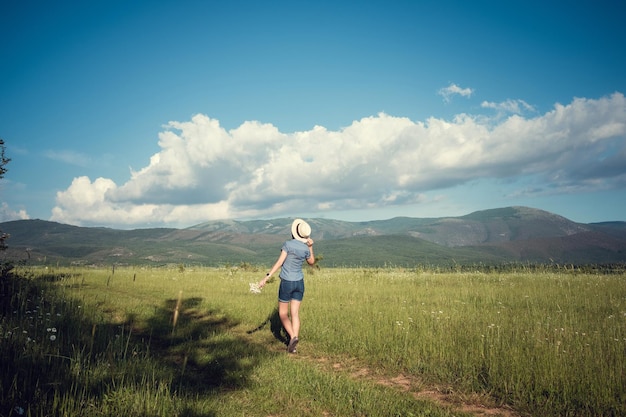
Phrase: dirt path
(476,405)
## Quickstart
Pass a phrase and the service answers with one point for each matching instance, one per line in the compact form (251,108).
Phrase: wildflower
(254,288)
(19,410)
(53,337)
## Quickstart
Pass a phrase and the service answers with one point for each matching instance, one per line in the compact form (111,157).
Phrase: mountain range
(488,237)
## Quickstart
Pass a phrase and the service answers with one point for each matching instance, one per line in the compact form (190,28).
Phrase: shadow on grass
(200,347)
(196,355)
(276,327)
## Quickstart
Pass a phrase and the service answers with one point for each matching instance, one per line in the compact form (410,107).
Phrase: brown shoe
(292,345)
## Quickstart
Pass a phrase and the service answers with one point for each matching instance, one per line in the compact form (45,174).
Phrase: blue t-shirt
(297,253)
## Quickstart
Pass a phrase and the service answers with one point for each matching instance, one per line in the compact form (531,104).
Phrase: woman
(292,255)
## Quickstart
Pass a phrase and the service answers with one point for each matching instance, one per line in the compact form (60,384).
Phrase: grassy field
(374,342)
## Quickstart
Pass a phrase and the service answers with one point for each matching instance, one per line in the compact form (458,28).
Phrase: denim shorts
(290,290)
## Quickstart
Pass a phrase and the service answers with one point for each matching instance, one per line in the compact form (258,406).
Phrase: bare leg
(283,313)
(295,318)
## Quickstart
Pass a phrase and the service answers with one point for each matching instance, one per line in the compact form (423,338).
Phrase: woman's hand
(264,280)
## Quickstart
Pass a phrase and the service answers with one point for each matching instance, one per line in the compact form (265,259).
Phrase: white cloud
(448,92)
(7,214)
(509,106)
(69,157)
(205,172)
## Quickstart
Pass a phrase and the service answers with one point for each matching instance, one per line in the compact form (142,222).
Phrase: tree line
(4,267)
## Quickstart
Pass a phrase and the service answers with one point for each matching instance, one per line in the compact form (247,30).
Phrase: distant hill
(503,235)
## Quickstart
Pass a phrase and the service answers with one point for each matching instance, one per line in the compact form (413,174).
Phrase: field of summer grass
(374,342)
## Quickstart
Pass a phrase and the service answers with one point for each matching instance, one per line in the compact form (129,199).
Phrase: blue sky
(172,113)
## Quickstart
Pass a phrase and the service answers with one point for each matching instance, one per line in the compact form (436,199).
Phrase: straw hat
(300,230)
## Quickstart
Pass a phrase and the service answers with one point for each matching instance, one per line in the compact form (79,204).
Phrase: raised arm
(311,259)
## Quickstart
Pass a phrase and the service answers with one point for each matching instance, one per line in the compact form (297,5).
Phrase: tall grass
(196,342)
(550,344)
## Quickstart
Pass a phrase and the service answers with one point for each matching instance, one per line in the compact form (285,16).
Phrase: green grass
(196,342)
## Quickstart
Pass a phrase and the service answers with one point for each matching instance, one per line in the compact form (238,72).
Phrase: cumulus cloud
(204,171)
(9,214)
(448,92)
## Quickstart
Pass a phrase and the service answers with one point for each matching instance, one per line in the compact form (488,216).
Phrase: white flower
(53,337)
(254,288)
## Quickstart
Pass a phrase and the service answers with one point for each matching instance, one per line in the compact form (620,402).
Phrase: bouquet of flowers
(254,288)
